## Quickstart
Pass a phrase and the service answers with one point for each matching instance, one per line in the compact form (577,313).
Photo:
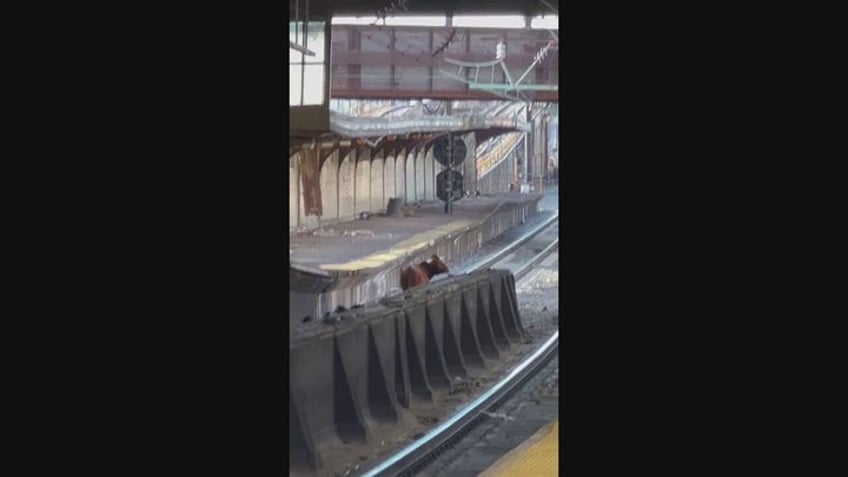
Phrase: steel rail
(417,455)
(535,260)
(411,457)
(500,254)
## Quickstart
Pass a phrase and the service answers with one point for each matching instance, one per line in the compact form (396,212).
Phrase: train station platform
(364,256)
(537,456)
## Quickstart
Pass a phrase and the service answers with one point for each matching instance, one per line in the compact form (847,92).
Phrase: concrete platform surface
(369,244)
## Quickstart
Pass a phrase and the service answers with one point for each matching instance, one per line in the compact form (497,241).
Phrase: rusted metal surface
(310,181)
(325,153)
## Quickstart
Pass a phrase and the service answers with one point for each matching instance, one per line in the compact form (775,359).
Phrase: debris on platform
(393,208)
(340,309)
(498,415)
(365,216)
(354,233)
(307,319)
(323,233)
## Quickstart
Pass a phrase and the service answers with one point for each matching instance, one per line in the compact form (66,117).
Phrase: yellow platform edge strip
(537,456)
(400,249)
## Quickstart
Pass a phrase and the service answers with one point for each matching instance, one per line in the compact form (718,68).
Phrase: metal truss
(510,89)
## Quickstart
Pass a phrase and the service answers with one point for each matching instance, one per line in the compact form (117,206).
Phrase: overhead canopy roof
(326,8)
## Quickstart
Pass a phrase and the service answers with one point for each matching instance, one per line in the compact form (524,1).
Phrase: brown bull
(420,274)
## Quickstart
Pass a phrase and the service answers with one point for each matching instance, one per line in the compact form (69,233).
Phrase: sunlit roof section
(408,20)
(395,20)
(489,21)
(547,22)
(353,20)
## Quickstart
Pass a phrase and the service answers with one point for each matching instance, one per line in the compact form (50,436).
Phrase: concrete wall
(389,179)
(429,177)
(330,188)
(419,177)
(378,201)
(410,177)
(400,175)
(347,186)
(363,183)
(294,192)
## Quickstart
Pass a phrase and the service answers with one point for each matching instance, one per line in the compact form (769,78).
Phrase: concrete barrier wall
(380,361)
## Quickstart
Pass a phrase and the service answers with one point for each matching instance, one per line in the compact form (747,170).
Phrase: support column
(294,192)
(362,197)
(378,200)
(527,136)
(419,176)
(469,167)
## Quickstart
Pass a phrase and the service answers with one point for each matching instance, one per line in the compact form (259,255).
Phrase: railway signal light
(441,153)
(455,184)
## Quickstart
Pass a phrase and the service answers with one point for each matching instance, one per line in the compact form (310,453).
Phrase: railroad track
(421,452)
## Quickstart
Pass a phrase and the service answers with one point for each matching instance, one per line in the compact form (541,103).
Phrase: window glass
(311,89)
(295,37)
(313,84)
(295,83)
(315,42)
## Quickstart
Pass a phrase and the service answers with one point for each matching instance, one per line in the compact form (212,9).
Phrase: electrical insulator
(500,51)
